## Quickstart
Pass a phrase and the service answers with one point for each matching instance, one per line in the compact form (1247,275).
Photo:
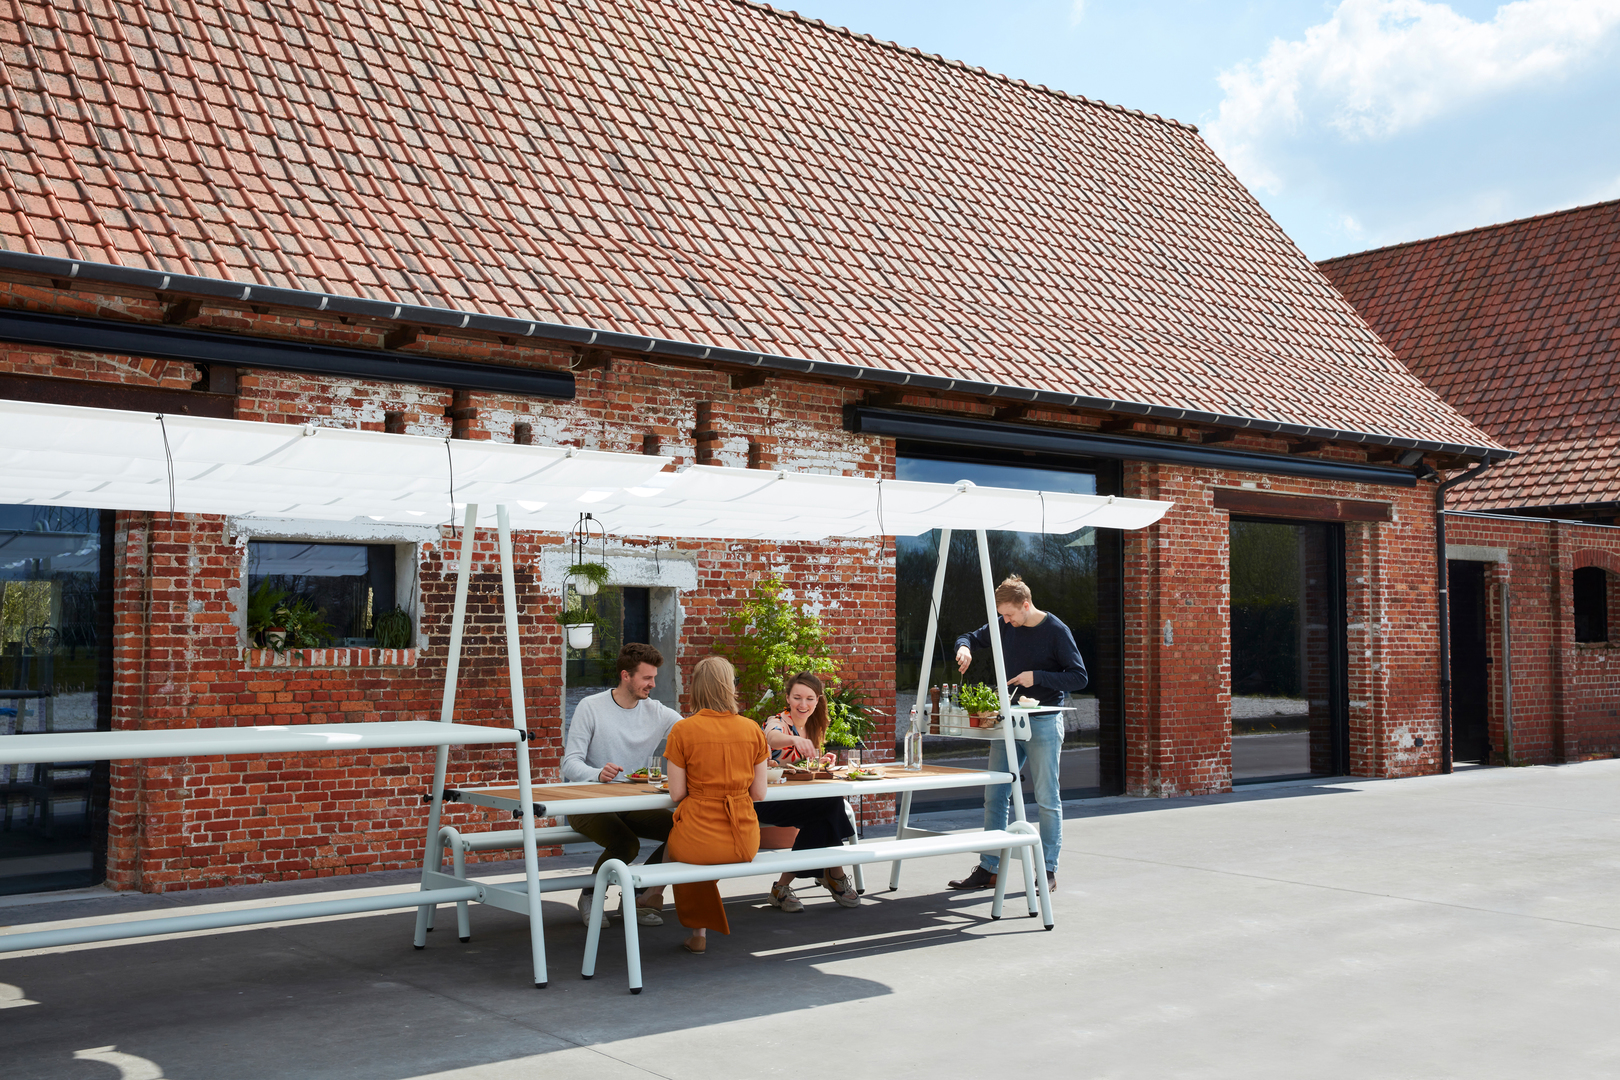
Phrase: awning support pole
(1001,677)
(433,851)
(514,667)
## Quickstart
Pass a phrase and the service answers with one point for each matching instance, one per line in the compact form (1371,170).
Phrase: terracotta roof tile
(695,169)
(1518,326)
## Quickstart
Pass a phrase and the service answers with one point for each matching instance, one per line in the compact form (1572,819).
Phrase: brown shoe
(979,879)
(695,944)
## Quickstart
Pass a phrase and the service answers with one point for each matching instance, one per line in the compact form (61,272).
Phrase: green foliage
(850,720)
(392,629)
(772,640)
(304,623)
(979,698)
(596,572)
(575,616)
(261,609)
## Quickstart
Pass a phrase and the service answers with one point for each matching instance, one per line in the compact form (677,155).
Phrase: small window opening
(349,585)
(1591,604)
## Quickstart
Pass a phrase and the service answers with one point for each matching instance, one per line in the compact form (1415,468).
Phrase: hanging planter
(587,578)
(580,626)
(585,575)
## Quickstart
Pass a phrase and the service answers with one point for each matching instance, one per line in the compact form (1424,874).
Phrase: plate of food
(865,772)
(646,776)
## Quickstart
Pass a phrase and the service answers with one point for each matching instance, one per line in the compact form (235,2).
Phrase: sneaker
(584,906)
(1051,881)
(783,896)
(979,879)
(842,889)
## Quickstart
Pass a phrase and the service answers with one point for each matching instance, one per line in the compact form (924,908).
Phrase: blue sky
(1357,123)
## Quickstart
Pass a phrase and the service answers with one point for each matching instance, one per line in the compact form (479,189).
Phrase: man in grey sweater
(612,733)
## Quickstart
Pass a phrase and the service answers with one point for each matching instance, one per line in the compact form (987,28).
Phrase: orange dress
(715,823)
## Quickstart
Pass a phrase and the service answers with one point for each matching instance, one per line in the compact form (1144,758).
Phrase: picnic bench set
(74,456)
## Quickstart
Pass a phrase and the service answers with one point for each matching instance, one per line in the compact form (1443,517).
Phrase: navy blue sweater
(1047,649)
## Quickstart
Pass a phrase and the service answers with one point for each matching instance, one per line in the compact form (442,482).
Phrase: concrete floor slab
(1461,926)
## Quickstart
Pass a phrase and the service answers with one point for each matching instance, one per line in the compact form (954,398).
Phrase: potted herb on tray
(983,705)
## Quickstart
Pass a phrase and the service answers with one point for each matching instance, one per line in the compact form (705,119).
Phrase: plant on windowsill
(983,705)
(263,628)
(587,578)
(392,629)
(580,626)
(301,625)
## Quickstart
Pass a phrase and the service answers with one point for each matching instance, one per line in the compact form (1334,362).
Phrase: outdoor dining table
(620,796)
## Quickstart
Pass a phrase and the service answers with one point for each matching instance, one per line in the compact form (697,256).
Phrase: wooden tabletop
(560,792)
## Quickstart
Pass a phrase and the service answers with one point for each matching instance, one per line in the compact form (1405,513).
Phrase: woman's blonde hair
(714,685)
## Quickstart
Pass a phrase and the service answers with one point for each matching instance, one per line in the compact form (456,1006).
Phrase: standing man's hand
(964,657)
(1023,678)
(609,773)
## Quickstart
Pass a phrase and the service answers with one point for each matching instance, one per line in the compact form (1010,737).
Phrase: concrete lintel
(1476,553)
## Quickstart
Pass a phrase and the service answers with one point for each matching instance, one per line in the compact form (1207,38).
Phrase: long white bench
(1020,837)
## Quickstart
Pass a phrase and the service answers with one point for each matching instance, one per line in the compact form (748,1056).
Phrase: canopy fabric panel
(705,500)
(64,455)
(61,455)
(224,741)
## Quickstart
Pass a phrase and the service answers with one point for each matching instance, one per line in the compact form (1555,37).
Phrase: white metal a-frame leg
(903,829)
(433,854)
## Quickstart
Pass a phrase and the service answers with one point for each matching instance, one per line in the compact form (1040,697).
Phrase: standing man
(1042,662)
(615,732)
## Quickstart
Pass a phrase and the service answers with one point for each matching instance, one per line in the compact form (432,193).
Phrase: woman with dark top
(796,734)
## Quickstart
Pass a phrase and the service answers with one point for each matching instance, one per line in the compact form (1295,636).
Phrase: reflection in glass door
(1289,706)
(55,675)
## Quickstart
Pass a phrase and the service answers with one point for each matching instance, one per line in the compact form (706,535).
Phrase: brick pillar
(705,436)
(464,417)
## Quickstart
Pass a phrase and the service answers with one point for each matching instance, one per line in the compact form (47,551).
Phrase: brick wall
(1178,631)
(1565,694)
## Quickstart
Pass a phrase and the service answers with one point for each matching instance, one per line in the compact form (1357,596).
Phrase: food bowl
(774,774)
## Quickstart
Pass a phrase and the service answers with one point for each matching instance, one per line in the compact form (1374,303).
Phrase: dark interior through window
(1591,604)
(351,584)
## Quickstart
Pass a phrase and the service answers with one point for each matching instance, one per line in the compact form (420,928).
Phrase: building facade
(723,233)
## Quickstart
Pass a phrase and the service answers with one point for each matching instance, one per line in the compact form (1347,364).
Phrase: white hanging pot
(583,585)
(580,635)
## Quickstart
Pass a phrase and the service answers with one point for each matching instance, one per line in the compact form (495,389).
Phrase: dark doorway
(1289,709)
(1470,662)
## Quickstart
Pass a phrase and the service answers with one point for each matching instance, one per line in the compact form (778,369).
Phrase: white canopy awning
(62,455)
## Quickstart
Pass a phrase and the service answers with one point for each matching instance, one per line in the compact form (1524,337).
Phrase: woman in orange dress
(716,765)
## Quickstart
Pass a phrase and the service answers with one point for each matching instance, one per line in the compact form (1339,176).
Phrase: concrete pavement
(1461,926)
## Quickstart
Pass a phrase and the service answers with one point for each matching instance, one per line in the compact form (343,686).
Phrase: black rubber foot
(420,947)
(587,978)
(635,989)
(860,892)
(430,929)
(542,986)
(1049,926)
(994,918)
(465,940)
(894,888)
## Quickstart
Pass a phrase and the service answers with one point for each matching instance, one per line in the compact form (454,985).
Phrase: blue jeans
(1041,754)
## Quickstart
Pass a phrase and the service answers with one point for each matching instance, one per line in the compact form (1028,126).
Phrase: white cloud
(1077,12)
(1377,68)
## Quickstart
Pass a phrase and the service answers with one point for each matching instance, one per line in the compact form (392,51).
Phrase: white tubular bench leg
(458,855)
(900,827)
(1037,854)
(1001,885)
(593,936)
(632,933)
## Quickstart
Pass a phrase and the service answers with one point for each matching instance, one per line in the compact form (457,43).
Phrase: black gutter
(1443,575)
(65,272)
(161,342)
(996,434)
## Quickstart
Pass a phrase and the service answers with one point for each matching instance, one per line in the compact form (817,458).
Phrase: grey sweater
(602,731)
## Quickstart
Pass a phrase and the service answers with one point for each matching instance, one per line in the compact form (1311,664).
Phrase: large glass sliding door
(1289,709)
(1077,577)
(55,675)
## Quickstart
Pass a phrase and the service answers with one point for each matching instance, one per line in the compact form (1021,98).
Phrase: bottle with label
(933,709)
(914,740)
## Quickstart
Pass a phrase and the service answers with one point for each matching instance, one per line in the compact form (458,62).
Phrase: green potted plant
(392,629)
(299,625)
(850,721)
(263,629)
(580,626)
(983,704)
(587,578)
